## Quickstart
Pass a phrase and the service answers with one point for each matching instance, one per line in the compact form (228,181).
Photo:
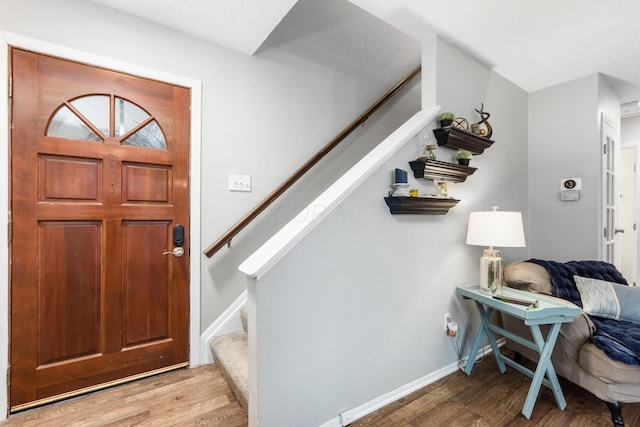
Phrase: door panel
(70,266)
(146,183)
(145,282)
(55,177)
(99,178)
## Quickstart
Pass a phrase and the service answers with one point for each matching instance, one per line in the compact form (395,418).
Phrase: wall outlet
(447,318)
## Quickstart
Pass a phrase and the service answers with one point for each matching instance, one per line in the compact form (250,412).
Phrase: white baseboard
(354,414)
(229,321)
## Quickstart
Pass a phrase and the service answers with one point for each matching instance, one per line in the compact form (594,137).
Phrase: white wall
(564,142)
(630,129)
(608,102)
(355,310)
(263,115)
(327,62)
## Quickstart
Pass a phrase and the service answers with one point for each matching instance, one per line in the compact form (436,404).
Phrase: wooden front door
(99,180)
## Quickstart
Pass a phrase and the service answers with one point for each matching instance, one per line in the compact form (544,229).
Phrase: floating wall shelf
(420,205)
(442,171)
(457,139)
(436,170)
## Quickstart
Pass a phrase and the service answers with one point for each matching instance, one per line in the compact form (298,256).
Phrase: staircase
(230,352)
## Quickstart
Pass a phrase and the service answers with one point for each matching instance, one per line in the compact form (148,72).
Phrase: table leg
(474,351)
(548,350)
(485,317)
(545,367)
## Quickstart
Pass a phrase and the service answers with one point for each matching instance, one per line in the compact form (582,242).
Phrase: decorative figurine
(461,123)
(482,128)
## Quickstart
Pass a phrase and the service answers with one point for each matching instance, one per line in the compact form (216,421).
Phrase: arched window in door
(98,117)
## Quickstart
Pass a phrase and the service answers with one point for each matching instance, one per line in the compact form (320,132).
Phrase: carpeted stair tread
(230,353)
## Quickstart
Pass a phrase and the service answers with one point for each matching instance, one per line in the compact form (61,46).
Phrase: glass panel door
(610,193)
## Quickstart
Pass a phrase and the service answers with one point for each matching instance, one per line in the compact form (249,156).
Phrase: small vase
(445,123)
(431,152)
(463,162)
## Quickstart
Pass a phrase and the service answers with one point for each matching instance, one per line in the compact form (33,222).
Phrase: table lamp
(493,228)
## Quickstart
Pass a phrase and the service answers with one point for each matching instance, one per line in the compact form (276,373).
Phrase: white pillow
(607,299)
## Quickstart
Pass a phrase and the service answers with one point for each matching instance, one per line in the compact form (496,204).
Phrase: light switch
(239,182)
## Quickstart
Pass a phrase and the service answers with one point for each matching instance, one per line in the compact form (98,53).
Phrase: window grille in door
(610,193)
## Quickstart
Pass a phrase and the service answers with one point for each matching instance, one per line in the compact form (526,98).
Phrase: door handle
(178,252)
(619,230)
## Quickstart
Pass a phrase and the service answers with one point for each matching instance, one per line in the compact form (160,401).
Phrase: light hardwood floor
(186,397)
(200,397)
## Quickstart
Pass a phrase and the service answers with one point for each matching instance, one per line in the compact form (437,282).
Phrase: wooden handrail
(230,234)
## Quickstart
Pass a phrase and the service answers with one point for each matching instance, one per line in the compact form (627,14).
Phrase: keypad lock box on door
(178,235)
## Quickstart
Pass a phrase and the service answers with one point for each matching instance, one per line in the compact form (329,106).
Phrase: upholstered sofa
(575,356)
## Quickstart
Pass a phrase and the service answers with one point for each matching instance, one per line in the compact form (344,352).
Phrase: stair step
(230,352)
(243,317)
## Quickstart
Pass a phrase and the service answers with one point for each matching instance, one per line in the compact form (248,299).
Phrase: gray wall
(564,142)
(263,115)
(320,73)
(355,310)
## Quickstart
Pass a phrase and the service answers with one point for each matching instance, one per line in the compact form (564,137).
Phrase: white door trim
(9,39)
(636,211)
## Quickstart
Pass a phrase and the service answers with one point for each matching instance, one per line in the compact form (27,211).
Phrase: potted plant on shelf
(463,157)
(446,119)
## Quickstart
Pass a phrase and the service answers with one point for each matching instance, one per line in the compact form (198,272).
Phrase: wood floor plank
(490,399)
(440,414)
(200,397)
(186,397)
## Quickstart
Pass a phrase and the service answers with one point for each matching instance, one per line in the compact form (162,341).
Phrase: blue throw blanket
(620,340)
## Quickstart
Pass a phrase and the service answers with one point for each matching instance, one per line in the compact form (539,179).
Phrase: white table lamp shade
(500,229)
(495,228)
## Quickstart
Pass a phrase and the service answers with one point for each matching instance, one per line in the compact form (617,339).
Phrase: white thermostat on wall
(570,184)
(570,189)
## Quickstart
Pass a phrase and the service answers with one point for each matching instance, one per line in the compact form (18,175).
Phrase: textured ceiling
(534,44)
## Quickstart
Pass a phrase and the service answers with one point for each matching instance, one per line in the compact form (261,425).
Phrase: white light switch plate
(239,182)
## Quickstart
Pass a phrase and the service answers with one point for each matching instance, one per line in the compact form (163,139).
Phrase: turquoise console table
(548,311)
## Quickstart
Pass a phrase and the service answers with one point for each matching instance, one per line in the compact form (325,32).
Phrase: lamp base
(491,272)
